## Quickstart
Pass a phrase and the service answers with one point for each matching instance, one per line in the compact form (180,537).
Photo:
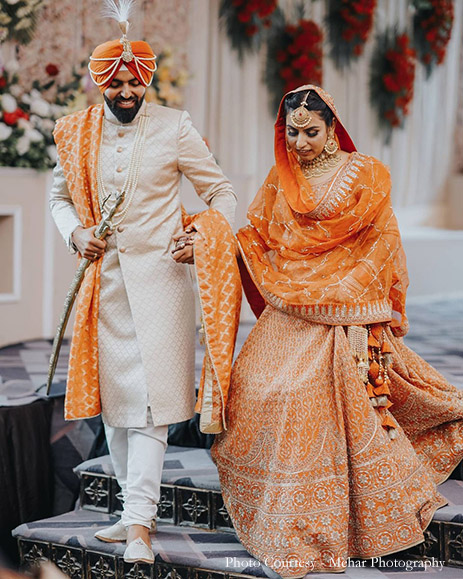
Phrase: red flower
(10,118)
(52,69)
(432,33)
(244,17)
(2,82)
(390,83)
(251,30)
(356,20)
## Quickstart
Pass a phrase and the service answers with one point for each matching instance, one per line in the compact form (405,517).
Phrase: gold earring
(288,148)
(331,145)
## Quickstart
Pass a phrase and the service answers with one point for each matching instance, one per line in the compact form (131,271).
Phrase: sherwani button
(122,249)
(120,229)
(120,149)
(120,134)
(119,169)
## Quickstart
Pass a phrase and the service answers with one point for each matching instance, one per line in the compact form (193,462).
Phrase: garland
(294,57)
(349,24)
(246,22)
(432,28)
(392,78)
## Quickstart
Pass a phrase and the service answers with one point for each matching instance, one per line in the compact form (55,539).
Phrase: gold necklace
(320,165)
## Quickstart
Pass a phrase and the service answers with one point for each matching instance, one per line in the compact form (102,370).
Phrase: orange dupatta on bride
(338,260)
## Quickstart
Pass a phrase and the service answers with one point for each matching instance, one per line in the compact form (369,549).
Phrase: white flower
(182,78)
(47,125)
(57,111)
(9,103)
(51,150)
(12,1)
(26,99)
(16,90)
(4,19)
(24,124)
(5,131)
(24,11)
(24,24)
(23,145)
(12,66)
(35,94)
(34,136)
(3,34)
(40,107)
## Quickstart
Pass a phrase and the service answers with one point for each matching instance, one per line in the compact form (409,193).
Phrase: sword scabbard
(104,227)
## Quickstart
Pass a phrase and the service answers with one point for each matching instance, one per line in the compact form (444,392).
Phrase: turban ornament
(108,58)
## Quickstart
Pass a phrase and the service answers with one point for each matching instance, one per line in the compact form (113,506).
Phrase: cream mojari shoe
(117,533)
(138,551)
(114,534)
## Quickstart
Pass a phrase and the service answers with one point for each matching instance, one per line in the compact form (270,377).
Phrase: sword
(104,227)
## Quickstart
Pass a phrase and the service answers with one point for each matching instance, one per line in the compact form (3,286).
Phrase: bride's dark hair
(314,103)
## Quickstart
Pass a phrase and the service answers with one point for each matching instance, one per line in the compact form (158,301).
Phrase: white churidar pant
(137,455)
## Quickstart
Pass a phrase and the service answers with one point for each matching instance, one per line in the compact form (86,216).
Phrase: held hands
(87,244)
(183,250)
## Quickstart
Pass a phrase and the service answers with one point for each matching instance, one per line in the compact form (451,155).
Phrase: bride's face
(307,143)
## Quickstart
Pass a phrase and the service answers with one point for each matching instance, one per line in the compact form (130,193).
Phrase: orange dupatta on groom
(78,138)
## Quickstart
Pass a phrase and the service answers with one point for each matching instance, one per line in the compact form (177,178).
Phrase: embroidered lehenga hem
(342,569)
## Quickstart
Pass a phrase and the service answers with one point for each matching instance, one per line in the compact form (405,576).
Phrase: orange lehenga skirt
(309,476)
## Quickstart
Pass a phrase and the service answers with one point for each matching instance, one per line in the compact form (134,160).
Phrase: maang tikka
(301,117)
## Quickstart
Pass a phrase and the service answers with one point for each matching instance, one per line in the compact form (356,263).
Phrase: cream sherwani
(146,312)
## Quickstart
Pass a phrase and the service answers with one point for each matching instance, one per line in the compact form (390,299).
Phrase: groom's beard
(124,115)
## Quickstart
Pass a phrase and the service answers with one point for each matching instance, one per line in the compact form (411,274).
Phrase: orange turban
(108,58)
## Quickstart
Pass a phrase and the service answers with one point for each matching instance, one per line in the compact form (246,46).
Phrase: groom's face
(125,96)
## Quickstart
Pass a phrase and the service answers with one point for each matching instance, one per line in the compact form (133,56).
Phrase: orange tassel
(382,390)
(387,359)
(386,348)
(377,331)
(382,401)
(374,370)
(379,381)
(387,421)
(372,341)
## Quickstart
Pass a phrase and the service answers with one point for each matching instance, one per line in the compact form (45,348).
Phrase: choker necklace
(320,165)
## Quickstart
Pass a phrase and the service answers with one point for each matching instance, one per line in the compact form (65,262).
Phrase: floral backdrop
(44,50)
